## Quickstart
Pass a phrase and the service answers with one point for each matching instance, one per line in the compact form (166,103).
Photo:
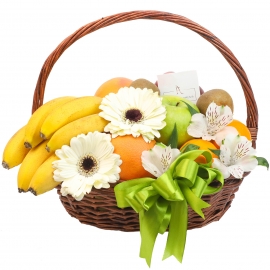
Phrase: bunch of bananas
(49,128)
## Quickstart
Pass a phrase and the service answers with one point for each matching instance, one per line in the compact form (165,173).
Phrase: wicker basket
(99,207)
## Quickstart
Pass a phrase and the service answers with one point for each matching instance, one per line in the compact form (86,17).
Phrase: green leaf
(162,145)
(173,140)
(190,147)
(191,109)
(263,162)
(215,151)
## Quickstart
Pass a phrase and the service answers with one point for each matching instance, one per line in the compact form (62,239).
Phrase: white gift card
(184,84)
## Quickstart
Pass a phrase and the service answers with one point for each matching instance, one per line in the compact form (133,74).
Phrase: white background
(37,232)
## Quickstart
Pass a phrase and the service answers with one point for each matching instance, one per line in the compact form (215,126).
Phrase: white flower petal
(236,155)
(88,189)
(89,161)
(226,110)
(151,163)
(106,165)
(69,152)
(236,171)
(105,185)
(217,117)
(231,141)
(98,185)
(198,126)
(79,197)
(220,166)
(115,106)
(68,173)
(175,153)
(64,191)
(71,185)
(59,153)
(207,137)
(152,169)
(209,126)
(248,163)
(76,146)
(220,135)
(56,176)
(225,155)
(242,149)
(63,165)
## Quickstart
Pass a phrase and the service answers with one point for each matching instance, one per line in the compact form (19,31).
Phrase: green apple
(177,113)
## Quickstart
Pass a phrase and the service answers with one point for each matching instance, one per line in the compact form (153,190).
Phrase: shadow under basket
(98,208)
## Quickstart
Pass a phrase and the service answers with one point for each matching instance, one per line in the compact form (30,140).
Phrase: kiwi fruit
(219,96)
(143,83)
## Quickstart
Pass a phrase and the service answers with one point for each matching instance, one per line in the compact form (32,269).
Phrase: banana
(14,152)
(43,181)
(32,137)
(84,125)
(35,157)
(69,112)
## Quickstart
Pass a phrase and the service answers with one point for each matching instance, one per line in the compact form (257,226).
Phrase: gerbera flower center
(88,165)
(134,115)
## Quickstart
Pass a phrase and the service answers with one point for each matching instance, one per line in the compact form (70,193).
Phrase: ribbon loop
(187,171)
(167,187)
(162,203)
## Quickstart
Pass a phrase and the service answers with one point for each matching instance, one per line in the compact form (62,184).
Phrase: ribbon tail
(151,222)
(177,231)
(195,203)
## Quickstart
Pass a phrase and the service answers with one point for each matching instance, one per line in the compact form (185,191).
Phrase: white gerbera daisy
(88,161)
(133,111)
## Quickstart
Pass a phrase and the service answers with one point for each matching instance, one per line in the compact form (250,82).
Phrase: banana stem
(5,165)
(27,145)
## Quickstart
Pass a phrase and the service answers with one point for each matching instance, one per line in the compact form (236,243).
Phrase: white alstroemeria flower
(88,161)
(213,125)
(158,159)
(236,156)
(133,111)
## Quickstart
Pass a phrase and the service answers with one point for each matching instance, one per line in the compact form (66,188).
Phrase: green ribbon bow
(162,203)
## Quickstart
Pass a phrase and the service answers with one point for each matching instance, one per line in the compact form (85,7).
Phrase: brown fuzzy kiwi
(219,96)
(143,83)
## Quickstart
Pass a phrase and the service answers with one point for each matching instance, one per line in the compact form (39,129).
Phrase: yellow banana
(32,136)
(14,152)
(43,181)
(84,125)
(35,157)
(69,112)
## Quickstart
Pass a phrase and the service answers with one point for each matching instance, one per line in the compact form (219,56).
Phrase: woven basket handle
(252,110)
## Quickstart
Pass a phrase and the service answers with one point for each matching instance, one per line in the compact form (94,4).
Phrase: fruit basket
(105,208)
(99,207)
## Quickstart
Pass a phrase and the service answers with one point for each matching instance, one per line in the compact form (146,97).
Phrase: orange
(112,86)
(241,128)
(130,150)
(204,145)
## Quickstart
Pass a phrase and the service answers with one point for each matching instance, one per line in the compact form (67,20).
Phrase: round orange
(241,128)
(112,86)
(130,150)
(204,145)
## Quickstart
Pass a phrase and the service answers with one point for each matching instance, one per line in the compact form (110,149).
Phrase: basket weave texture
(99,207)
